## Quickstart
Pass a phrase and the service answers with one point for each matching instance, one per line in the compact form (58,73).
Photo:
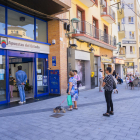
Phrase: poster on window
(44,80)
(80,67)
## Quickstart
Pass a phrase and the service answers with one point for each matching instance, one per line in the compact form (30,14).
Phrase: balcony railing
(108,11)
(90,30)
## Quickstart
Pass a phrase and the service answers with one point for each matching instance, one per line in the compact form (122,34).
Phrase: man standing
(100,80)
(136,73)
(21,78)
(108,86)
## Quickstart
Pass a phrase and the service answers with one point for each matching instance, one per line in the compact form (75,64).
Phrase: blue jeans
(21,92)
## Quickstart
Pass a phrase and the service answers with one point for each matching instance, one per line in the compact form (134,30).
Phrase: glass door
(3,76)
(42,74)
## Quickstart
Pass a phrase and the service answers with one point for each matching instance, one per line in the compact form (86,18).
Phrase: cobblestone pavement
(33,122)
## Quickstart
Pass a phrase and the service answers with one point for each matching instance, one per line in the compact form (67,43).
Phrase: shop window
(2,20)
(41,31)
(2,78)
(21,22)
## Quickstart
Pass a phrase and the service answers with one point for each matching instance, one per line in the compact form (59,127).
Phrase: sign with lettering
(119,61)
(128,42)
(22,45)
(106,60)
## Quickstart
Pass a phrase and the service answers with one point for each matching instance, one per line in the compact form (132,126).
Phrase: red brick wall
(56,31)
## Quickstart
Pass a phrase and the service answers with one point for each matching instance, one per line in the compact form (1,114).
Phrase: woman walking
(108,86)
(73,90)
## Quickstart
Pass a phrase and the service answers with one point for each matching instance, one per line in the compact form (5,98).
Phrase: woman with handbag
(77,77)
(73,90)
(109,85)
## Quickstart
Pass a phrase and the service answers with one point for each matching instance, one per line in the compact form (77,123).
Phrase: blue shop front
(23,41)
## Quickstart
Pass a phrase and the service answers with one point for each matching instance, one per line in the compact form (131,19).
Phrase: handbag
(114,84)
(69,100)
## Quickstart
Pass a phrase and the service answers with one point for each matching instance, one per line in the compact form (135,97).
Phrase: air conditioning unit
(103,3)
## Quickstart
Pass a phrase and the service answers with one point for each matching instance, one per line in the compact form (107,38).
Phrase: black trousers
(108,96)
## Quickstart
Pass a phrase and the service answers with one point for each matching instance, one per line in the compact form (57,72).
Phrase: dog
(58,109)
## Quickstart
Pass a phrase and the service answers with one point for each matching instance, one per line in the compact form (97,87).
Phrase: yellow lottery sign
(92,74)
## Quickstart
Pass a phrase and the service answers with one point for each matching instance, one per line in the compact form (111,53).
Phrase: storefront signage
(22,45)
(128,42)
(81,55)
(53,60)
(119,61)
(106,60)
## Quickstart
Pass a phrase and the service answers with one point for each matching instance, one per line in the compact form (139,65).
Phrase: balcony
(120,12)
(88,33)
(122,51)
(40,8)
(121,31)
(108,14)
(88,3)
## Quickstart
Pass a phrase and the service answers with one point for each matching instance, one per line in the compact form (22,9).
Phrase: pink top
(77,77)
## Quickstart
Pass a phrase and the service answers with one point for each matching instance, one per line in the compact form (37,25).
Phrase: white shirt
(100,75)
(136,73)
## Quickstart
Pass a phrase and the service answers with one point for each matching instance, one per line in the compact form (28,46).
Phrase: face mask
(10,76)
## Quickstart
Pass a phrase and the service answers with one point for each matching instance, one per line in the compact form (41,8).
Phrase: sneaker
(101,91)
(107,115)
(20,102)
(24,101)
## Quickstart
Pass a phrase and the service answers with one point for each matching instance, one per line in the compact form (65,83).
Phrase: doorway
(27,67)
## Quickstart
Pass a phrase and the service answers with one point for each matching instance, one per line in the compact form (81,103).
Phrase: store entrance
(27,67)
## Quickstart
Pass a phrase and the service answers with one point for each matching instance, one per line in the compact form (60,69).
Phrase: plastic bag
(69,100)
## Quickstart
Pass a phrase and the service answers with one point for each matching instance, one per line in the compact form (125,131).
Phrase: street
(34,122)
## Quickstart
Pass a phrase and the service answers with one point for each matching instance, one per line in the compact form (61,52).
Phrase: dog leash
(63,101)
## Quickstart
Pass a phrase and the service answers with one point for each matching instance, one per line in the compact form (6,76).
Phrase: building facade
(33,36)
(91,43)
(130,43)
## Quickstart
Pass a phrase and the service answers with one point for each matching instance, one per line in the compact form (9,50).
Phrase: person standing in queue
(21,78)
(108,86)
(100,80)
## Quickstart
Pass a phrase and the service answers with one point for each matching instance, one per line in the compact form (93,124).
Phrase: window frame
(6,25)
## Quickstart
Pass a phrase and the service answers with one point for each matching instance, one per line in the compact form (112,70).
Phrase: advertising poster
(80,67)
(39,83)
(53,60)
(44,80)
(39,77)
(1,76)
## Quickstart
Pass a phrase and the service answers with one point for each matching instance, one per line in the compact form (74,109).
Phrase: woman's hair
(75,71)
(109,69)
(71,73)
(114,73)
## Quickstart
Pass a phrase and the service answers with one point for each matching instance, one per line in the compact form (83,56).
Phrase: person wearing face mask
(11,85)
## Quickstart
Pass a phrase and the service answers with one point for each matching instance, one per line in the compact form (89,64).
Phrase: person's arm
(104,82)
(25,78)
(70,87)
(18,80)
